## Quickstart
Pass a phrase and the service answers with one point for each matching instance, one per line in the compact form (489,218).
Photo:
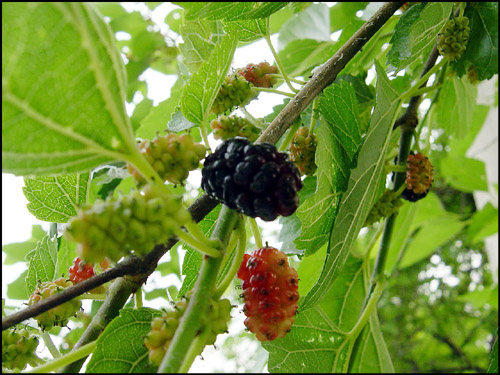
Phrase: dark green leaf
(493,367)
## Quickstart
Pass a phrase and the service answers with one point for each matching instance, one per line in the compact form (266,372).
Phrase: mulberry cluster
(114,227)
(59,315)
(235,91)
(171,156)
(387,205)
(255,180)
(163,328)
(419,177)
(303,150)
(81,271)
(270,292)
(453,39)
(226,127)
(18,348)
(259,74)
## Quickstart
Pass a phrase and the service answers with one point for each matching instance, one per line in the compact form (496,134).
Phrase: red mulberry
(419,177)
(259,74)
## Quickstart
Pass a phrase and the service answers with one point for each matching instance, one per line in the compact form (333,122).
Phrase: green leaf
(56,199)
(430,236)
(343,13)
(141,110)
(66,253)
(247,30)
(312,23)
(363,182)
(16,252)
(479,298)
(63,90)
(482,49)
(300,56)
(17,288)
(399,54)
(42,263)
(493,367)
(455,108)
(319,341)
(193,258)
(232,11)
(120,348)
(160,115)
(200,38)
(178,122)
(424,31)
(174,20)
(483,223)
(464,173)
(203,87)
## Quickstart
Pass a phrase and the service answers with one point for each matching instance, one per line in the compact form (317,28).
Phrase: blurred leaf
(42,263)
(174,20)
(17,288)
(132,23)
(455,108)
(56,199)
(493,367)
(203,87)
(464,173)
(66,253)
(363,182)
(483,223)
(74,118)
(141,110)
(312,23)
(300,56)
(120,348)
(482,49)
(436,233)
(230,11)
(193,258)
(479,298)
(112,10)
(343,13)
(16,252)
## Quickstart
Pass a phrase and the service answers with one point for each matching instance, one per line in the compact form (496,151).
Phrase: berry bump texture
(388,204)
(453,39)
(171,156)
(270,292)
(226,127)
(259,74)
(163,328)
(303,150)
(18,348)
(59,315)
(116,226)
(255,180)
(419,177)
(235,91)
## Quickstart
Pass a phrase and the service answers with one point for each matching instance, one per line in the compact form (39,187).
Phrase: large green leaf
(455,108)
(120,348)
(319,341)
(63,90)
(342,13)
(363,182)
(302,55)
(464,173)
(339,138)
(230,11)
(16,252)
(482,49)
(56,199)
(203,87)
(483,223)
(312,23)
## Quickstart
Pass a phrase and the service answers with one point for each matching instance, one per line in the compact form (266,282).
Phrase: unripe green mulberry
(303,150)
(163,328)
(419,177)
(235,91)
(453,38)
(59,315)
(387,205)
(117,226)
(226,127)
(171,156)
(18,348)
(259,74)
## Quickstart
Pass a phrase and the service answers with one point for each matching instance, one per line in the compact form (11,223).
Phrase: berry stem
(138,298)
(191,320)
(50,345)
(395,168)
(251,119)
(274,91)
(256,232)
(66,359)
(289,136)
(204,135)
(413,91)
(238,257)
(228,256)
(202,247)
(267,37)
(142,165)
(194,350)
